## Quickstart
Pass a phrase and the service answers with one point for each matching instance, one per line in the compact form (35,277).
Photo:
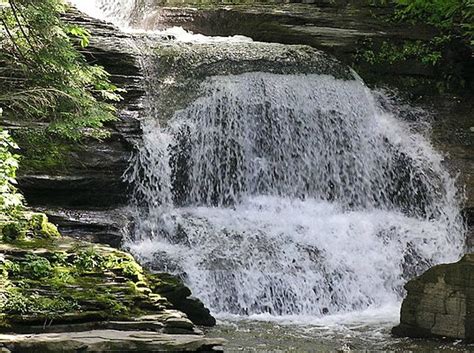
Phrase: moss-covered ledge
(54,284)
(54,281)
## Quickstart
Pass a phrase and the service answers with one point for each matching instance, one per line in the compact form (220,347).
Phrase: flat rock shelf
(106,341)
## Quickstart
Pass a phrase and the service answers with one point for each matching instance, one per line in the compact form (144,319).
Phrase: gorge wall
(84,191)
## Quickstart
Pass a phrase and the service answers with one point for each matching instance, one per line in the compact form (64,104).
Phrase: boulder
(440,303)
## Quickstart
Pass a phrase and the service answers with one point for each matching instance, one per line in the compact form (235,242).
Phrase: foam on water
(385,316)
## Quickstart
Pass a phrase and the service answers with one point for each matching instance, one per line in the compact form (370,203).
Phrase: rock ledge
(106,341)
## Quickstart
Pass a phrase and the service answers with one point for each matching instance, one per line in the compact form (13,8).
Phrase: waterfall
(274,182)
(292,195)
(119,12)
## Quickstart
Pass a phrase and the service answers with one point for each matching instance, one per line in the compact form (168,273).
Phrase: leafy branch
(50,80)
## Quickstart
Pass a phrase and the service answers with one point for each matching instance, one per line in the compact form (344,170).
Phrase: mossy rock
(38,223)
(12,230)
(68,282)
(26,224)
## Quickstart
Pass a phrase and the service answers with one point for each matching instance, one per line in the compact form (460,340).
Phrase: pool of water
(364,331)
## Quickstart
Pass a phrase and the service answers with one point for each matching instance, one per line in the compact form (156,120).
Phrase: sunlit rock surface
(59,285)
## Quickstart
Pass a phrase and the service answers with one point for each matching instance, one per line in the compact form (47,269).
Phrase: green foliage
(16,303)
(454,20)
(448,15)
(11,202)
(390,53)
(80,33)
(36,267)
(89,260)
(47,79)
(19,303)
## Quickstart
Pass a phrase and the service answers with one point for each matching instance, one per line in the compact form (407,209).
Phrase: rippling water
(356,336)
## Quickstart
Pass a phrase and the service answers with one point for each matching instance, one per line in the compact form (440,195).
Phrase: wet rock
(104,226)
(178,69)
(440,303)
(174,290)
(468,214)
(338,27)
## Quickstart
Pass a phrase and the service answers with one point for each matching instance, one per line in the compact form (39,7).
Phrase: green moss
(13,230)
(28,225)
(43,152)
(69,281)
(40,226)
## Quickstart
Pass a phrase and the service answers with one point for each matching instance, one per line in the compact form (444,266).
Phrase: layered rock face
(342,28)
(440,303)
(83,192)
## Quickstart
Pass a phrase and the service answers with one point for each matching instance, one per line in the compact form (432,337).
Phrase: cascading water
(118,11)
(285,191)
(292,195)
